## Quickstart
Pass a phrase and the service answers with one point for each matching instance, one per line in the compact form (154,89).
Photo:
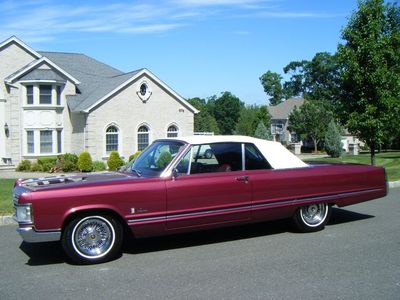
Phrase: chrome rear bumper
(30,235)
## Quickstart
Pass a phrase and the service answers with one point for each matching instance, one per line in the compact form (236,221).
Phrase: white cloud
(42,20)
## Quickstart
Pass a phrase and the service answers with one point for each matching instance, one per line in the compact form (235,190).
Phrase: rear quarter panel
(278,193)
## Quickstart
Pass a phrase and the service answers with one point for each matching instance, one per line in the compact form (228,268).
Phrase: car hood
(62,180)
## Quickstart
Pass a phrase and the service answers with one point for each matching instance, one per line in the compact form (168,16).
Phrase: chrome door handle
(243,178)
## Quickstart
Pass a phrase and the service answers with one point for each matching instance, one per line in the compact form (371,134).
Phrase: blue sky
(198,47)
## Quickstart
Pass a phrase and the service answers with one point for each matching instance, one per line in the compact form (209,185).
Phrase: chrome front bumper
(30,235)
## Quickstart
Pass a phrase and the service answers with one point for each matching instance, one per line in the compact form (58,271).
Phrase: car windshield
(155,158)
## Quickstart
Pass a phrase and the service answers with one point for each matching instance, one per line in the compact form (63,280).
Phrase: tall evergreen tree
(333,143)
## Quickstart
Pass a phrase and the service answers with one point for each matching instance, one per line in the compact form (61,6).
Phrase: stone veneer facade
(124,108)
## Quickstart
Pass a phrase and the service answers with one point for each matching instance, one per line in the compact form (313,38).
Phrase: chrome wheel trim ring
(314,215)
(93,237)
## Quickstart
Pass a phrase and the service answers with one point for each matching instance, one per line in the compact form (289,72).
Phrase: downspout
(85,131)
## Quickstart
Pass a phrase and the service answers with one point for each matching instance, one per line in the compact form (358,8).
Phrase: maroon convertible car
(185,184)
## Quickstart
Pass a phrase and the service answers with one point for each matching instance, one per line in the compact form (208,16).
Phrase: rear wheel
(90,239)
(312,217)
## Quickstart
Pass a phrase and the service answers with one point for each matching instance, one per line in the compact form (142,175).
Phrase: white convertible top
(275,153)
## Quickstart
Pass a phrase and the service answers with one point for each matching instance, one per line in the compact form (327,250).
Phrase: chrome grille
(15,198)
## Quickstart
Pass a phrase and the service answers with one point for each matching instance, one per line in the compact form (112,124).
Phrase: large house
(280,120)
(53,103)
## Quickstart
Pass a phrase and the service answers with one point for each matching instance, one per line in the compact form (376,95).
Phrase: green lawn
(389,160)
(6,205)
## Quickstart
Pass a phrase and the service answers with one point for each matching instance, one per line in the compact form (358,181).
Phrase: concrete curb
(8,220)
(394,184)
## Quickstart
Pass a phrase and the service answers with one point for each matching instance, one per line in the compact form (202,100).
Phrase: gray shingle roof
(41,74)
(97,79)
(282,110)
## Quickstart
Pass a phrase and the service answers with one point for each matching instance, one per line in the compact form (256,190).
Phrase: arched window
(111,138)
(172,131)
(143,137)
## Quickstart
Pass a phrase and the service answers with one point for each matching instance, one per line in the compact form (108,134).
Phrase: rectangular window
(58,89)
(143,141)
(59,141)
(30,141)
(111,142)
(219,157)
(46,141)
(45,94)
(29,94)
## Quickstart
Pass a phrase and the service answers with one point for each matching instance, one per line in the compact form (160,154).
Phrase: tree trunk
(315,145)
(373,154)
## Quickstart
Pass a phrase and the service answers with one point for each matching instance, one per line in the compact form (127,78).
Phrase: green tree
(311,120)
(250,117)
(204,121)
(247,118)
(333,140)
(272,84)
(370,64)
(295,85)
(262,132)
(227,112)
(317,79)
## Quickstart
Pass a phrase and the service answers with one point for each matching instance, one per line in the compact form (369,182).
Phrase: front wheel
(90,239)
(312,217)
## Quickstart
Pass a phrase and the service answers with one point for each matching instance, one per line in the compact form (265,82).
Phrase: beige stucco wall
(129,112)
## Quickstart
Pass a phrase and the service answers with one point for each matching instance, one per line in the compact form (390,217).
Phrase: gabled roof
(41,74)
(95,81)
(283,109)
(34,65)
(100,81)
(128,78)
(20,43)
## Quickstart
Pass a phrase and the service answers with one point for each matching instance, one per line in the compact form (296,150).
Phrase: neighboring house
(280,119)
(53,103)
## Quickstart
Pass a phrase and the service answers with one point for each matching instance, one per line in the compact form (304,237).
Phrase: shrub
(24,165)
(68,162)
(163,160)
(114,161)
(68,166)
(85,162)
(134,156)
(333,143)
(47,163)
(99,165)
(35,167)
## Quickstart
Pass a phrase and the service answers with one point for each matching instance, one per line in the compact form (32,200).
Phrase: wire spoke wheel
(92,238)
(314,214)
(312,217)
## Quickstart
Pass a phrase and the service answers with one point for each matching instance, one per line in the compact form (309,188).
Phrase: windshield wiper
(137,172)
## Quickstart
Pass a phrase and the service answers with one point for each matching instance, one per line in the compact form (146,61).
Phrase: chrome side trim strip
(256,206)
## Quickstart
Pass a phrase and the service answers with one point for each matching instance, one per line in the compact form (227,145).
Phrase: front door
(211,188)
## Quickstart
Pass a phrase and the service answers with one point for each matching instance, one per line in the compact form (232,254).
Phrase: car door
(210,188)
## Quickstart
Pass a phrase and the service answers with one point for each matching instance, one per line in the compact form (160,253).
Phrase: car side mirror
(175,174)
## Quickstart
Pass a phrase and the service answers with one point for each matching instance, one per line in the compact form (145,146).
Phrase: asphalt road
(357,256)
